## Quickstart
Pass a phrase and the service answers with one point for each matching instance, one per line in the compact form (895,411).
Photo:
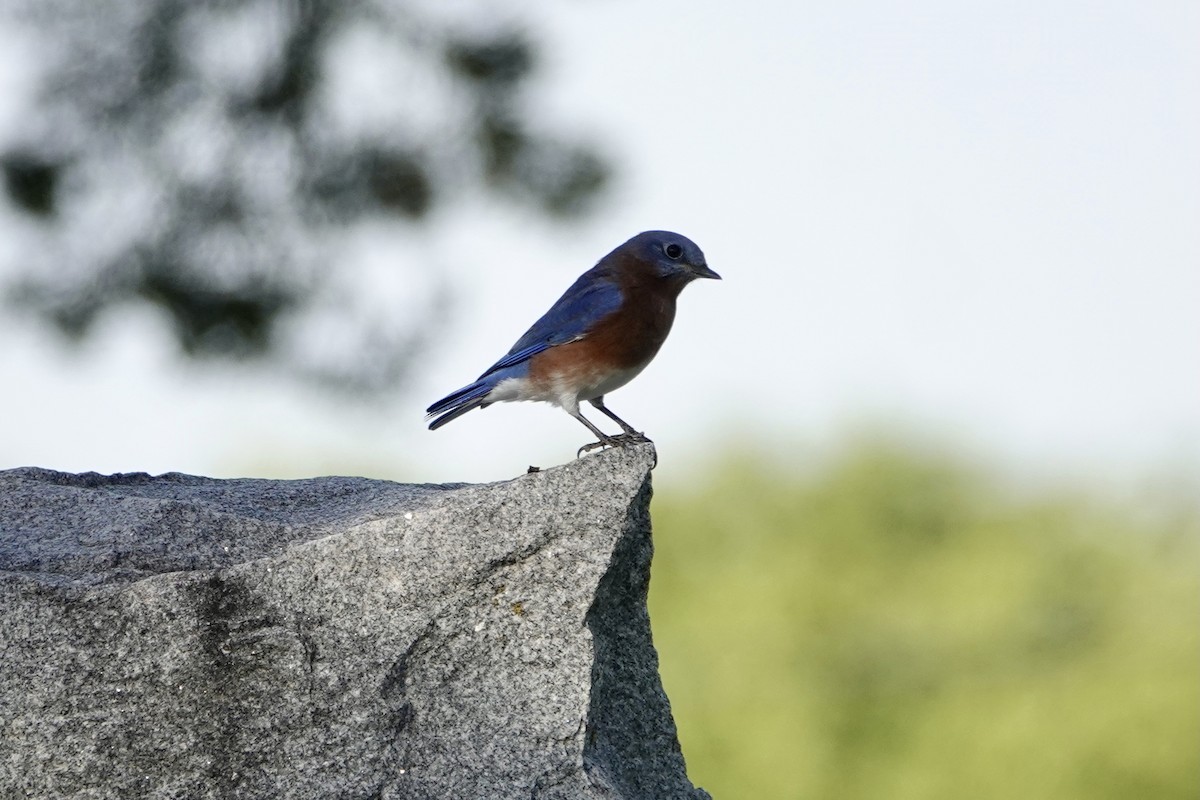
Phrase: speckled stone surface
(177,636)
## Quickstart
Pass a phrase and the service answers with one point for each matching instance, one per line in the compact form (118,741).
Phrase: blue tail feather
(454,405)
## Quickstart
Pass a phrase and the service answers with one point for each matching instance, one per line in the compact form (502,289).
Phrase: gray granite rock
(184,637)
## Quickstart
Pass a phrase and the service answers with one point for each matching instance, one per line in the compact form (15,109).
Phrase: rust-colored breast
(625,340)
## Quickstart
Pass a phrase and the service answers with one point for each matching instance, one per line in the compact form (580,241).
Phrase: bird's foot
(620,440)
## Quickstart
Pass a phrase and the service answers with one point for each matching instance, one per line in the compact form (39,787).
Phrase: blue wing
(590,299)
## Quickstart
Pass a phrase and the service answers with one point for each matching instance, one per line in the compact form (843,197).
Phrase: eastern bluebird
(599,335)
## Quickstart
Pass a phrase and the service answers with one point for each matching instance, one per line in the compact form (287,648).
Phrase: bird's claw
(620,440)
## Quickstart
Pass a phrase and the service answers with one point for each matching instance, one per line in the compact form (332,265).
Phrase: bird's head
(669,255)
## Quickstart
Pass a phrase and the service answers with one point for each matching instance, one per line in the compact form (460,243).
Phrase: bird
(596,338)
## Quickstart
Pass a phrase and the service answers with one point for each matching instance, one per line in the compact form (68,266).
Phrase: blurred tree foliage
(197,154)
(900,625)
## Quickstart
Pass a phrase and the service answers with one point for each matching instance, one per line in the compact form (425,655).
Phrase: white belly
(566,391)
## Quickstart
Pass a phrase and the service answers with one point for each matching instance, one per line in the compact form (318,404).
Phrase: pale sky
(979,220)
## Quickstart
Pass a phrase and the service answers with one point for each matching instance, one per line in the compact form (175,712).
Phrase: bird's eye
(673,251)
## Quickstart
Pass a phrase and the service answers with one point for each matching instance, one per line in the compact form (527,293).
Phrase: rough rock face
(176,636)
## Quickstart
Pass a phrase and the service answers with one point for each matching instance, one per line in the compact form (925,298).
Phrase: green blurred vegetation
(897,624)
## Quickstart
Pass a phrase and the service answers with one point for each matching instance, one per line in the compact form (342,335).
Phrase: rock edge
(178,636)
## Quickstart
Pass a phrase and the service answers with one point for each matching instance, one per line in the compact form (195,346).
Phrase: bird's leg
(604,440)
(631,435)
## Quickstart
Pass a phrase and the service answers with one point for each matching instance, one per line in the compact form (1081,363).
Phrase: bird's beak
(703,271)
